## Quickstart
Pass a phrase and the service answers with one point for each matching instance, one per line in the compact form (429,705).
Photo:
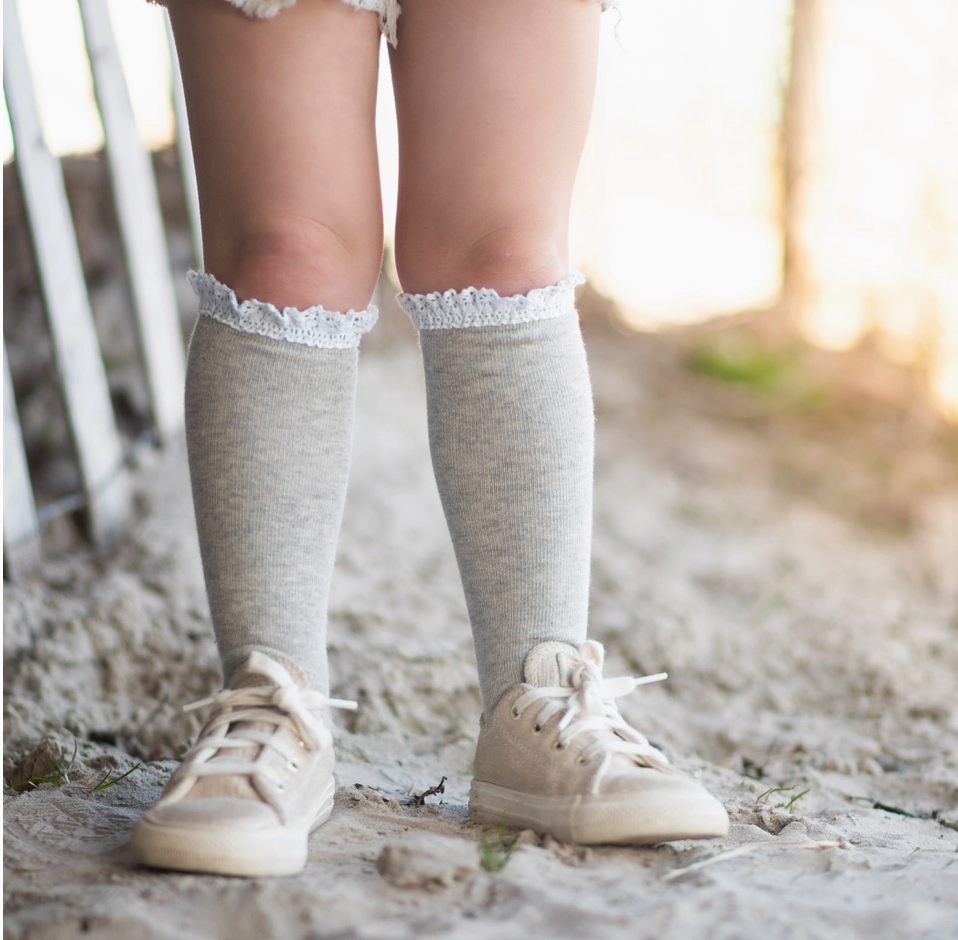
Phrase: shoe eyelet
(281,787)
(515,712)
(537,728)
(559,746)
(293,766)
(583,760)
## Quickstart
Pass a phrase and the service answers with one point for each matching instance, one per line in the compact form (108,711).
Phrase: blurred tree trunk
(796,129)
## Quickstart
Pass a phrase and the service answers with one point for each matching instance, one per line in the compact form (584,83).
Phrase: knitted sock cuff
(314,326)
(476,307)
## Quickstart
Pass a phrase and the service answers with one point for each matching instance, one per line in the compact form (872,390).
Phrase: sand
(795,571)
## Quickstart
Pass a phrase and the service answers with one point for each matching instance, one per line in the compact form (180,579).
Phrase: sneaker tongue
(247,674)
(548,664)
(238,786)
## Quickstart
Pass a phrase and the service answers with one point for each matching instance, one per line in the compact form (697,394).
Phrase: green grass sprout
(59,772)
(771,790)
(107,781)
(745,363)
(764,796)
(496,851)
(794,799)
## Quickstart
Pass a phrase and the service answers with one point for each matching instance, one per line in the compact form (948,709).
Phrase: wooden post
(21,532)
(141,226)
(185,149)
(794,139)
(80,366)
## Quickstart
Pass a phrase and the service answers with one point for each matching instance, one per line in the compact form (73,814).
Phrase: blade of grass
(772,790)
(106,781)
(742,850)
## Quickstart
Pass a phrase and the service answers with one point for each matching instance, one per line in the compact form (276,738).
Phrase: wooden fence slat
(141,226)
(184,148)
(80,366)
(21,532)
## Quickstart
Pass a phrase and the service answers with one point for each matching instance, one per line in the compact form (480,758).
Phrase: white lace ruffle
(314,326)
(474,307)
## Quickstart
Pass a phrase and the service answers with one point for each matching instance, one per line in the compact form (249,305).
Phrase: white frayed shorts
(388,10)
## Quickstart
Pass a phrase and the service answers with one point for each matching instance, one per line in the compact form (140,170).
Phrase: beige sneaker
(557,757)
(258,780)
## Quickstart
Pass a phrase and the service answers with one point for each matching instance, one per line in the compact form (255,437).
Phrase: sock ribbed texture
(270,396)
(511,430)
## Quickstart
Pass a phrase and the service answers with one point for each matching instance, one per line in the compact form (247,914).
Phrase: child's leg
(282,121)
(493,103)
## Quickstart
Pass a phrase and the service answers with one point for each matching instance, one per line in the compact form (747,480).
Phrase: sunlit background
(684,207)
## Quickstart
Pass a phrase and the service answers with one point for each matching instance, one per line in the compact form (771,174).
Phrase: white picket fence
(104,478)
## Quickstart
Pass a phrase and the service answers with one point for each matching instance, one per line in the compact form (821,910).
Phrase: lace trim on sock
(475,307)
(314,326)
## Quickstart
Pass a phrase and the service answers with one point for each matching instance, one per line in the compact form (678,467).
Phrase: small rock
(868,765)
(427,860)
(773,820)
(40,762)
(796,830)
(527,837)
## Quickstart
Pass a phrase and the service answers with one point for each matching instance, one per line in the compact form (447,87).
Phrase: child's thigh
(493,102)
(282,119)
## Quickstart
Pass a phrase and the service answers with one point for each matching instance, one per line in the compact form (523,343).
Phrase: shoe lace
(587,704)
(244,721)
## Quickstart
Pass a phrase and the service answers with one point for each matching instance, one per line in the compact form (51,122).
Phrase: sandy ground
(796,573)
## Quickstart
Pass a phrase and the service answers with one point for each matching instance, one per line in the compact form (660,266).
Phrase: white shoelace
(232,727)
(588,705)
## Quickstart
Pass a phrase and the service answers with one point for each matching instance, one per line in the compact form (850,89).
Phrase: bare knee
(300,263)
(511,259)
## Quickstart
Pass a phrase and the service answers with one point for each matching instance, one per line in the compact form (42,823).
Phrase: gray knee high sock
(270,397)
(511,431)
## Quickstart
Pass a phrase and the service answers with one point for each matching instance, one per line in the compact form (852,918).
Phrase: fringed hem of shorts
(388,11)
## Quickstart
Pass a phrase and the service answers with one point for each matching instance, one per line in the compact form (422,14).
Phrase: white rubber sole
(217,850)
(598,820)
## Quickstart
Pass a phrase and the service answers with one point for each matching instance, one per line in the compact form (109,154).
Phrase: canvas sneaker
(258,780)
(556,756)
